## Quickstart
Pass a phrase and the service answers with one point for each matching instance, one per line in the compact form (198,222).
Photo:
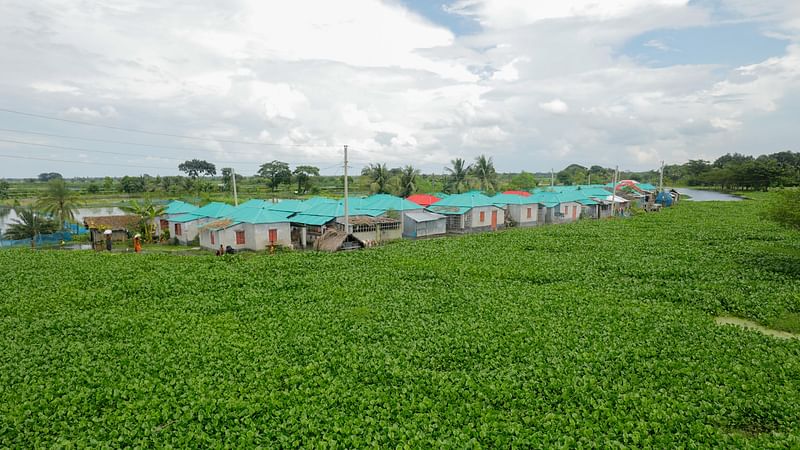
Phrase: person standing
(107,235)
(137,243)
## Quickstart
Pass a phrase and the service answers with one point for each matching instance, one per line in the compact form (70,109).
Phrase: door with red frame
(574,212)
(494,220)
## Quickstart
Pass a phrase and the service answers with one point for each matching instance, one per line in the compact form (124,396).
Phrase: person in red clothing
(137,243)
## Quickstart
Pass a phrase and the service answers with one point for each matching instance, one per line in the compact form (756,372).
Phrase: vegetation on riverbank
(598,333)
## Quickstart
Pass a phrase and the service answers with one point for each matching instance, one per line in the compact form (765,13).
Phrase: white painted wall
(256,236)
(189,230)
(519,214)
(475,214)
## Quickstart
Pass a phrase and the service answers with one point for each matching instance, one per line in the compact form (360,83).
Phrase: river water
(7,215)
(708,196)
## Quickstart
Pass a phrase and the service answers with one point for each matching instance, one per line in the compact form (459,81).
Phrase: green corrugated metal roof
(512,199)
(387,202)
(292,206)
(468,200)
(215,209)
(647,187)
(183,218)
(259,215)
(179,207)
(310,219)
(255,203)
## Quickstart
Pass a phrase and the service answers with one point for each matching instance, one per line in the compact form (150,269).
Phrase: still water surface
(708,196)
(7,215)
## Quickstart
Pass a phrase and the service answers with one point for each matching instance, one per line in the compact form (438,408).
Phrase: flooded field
(699,195)
(750,325)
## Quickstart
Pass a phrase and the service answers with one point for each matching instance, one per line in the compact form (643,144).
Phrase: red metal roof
(423,199)
(522,193)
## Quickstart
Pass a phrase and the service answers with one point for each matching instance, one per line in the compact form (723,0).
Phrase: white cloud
(658,45)
(541,84)
(555,106)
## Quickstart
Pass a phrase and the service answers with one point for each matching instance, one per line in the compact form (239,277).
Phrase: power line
(156,133)
(83,162)
(111,141)
(60,147)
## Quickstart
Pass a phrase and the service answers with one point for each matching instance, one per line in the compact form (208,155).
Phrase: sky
(116,87)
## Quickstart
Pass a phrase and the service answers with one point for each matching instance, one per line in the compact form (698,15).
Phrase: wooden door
(273,236)
(574,212)
(494,220)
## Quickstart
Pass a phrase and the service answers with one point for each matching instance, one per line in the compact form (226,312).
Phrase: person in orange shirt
(137,243)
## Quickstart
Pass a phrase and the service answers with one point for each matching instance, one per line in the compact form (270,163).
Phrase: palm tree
(147,212)
(378,176)
(457,180)
(59,201)
(29,224)
(408,181)
(485,173)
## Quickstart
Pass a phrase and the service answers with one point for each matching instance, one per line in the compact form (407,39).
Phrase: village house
(173,209)
(185,228)
(469,212)
(520,211)
(248,228)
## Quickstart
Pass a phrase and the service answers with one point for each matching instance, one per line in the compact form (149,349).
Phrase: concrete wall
(256,236)
(474,220)
(519,214)
(189,230)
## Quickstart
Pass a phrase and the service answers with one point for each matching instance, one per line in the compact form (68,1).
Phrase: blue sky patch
(434,11)
(731,45)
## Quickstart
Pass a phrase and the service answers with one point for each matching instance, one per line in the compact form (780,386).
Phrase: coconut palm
(458,178)
(484,171)
(378,176)
(408,181)
(59,201)
(28,225)
(148,212)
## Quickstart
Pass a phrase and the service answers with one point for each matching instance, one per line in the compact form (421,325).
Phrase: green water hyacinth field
(600,333)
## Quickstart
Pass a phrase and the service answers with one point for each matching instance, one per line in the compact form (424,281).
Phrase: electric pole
(661,178)
(235,197)
(552,178)
(346,211)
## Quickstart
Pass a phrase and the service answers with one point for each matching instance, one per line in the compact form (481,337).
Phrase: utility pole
(590,178)
(346,211)
(661,178)
(235,197)
(552,178)
(614,192)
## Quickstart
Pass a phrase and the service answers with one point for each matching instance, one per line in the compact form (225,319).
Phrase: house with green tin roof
(520,211)
(247,228)
(173,209)
(185,228)
(470,212)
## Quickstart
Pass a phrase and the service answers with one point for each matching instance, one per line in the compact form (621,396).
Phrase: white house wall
(475,214)
(519,214)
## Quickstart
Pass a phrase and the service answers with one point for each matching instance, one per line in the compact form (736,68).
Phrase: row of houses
(319,223)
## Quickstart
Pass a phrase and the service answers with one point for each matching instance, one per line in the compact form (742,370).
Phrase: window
(178,229)
(164,224)
(212,238)
(530,213)
(273,236)
(482,216)
(240,238)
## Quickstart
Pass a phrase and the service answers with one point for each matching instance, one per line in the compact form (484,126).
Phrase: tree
(484,171)
(132,185)
(47,176)
(4,188)
(276,173)
(197,167)
(227,179)
(29,225)
(303,176)
(59,201)
(93,188)
(378,176)
(408,181)
(147,212)
(523,181)
(785,208)
(457,179)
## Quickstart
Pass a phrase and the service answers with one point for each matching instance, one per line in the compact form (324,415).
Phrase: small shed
(120,226)
(372,230)
(418,225)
